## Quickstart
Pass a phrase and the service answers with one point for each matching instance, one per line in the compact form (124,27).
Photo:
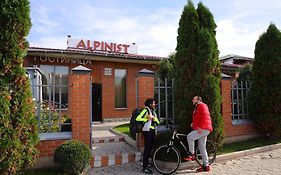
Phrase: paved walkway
(110,148)
(102,129)
(258,161)
(266,163)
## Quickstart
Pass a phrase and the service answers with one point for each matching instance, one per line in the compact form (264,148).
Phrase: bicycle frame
(175,136)
(167,158)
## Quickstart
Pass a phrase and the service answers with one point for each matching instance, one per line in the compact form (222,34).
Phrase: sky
(151,24)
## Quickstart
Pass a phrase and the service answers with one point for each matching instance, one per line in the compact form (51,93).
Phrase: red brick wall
(229,129)
(79,105)
(79,96)
(48,147)
(108,88)
(145,89)
(108,91)
(79,111)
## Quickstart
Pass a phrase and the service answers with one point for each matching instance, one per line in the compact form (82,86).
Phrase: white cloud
(154,32)
(43,24)
(240,23)
(233,39)
(50,42)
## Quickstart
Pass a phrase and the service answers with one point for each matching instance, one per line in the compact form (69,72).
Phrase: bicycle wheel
(211,150)
(166,159)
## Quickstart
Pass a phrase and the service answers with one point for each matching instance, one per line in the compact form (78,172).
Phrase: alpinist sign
(100,46)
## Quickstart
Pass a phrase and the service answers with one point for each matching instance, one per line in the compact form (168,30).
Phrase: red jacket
(201,118)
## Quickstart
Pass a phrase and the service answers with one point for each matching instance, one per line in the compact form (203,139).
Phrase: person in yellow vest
(149,118)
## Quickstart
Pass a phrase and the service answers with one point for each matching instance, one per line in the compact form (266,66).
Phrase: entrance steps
(110,149)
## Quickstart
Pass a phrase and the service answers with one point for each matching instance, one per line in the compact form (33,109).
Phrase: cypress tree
(185,61)
(265,97)
(18,128)
(209,69)
(198,67)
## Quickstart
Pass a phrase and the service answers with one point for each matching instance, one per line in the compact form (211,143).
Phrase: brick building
(100,81)
(113,76)
(231,64)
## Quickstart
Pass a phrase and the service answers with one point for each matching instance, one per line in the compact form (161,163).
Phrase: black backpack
(135,126)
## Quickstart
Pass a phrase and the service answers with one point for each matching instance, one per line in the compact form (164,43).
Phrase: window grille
(50,94)
(239,102)
(164,95)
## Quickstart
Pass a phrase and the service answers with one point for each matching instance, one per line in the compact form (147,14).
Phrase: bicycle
(167,158)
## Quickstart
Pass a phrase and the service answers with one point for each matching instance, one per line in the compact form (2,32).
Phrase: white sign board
(101,46)
(107,71)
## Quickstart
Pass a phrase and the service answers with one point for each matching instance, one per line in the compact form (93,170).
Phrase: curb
(229,156)
(127,138)
(108,160)
(235,155)
(108,139)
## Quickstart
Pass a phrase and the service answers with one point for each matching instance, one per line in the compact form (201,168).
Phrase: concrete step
(97,140)
(113,153)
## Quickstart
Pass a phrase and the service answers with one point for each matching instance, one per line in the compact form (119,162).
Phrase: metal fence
(163,93)
(51,109)
(239,98)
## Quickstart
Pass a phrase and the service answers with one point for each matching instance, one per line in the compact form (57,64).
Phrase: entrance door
(97,102)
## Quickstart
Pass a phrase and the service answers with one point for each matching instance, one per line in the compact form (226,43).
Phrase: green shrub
(18,124)
(72,156)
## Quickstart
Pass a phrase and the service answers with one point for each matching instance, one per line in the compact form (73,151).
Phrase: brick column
(145,89)
(226,104)
(145,86)
(80,101)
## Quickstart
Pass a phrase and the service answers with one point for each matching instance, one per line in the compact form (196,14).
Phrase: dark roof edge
(234,56)
(94,53)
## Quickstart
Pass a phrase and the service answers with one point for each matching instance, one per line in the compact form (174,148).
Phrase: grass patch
(249,144)
(124,128)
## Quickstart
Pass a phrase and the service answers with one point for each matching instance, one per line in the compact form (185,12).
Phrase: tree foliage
(197,67)
(245,73)
(265,98)
(166,67)
(18,127)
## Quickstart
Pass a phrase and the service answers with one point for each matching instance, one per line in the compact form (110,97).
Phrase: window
(120,88)
(239,102)
(55,85)
(51,109)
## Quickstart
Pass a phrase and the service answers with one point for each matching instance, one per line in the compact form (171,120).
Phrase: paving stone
(251,165)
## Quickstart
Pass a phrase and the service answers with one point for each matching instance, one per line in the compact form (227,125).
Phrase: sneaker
(203,168)
(146,171)
(189,158)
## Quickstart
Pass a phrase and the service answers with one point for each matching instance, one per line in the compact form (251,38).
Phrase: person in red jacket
(202,126)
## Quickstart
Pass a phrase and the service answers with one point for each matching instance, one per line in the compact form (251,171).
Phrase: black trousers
(148,145)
